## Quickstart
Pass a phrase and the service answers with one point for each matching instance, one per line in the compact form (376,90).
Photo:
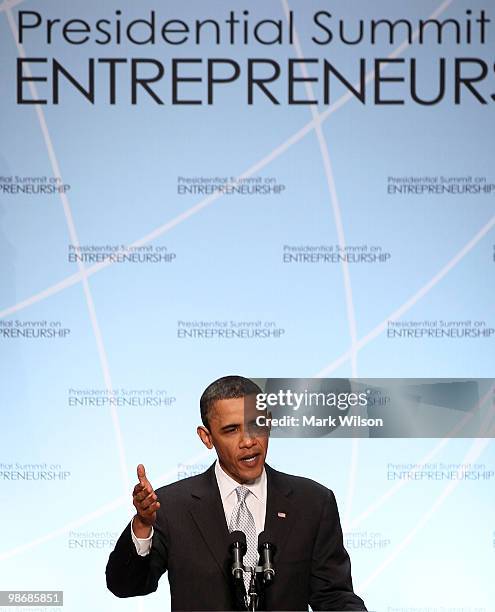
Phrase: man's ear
(205,436)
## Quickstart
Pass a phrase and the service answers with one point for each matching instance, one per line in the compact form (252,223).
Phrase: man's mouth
(250,459)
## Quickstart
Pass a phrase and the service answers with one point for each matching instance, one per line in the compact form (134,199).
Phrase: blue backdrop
(357,239)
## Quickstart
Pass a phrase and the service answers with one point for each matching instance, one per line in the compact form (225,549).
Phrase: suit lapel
(280,518)
(208,514)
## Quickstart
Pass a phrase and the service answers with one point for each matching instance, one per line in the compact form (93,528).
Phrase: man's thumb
(141,473)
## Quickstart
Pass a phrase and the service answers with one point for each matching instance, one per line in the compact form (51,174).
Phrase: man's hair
(227,387)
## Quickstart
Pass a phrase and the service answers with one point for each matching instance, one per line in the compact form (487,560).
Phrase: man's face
(240,445)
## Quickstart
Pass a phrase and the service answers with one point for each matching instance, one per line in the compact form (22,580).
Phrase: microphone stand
(253,596)
(261,576)
(257,585)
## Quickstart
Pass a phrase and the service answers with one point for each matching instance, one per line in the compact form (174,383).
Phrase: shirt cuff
(143,545)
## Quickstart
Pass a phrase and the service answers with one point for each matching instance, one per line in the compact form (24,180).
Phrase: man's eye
(230,429)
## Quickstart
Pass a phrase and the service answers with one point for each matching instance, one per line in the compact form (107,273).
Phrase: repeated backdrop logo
(291,189)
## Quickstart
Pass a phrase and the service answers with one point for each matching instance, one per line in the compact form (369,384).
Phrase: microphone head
(237,536)
(265,541)
(237,539)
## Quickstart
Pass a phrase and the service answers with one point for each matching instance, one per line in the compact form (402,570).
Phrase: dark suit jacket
(191,541)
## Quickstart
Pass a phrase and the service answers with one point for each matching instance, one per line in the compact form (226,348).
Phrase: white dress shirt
(255,501)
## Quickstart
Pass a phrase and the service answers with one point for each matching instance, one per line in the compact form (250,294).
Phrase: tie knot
(241,492)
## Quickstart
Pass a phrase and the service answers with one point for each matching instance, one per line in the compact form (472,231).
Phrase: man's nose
(248,439)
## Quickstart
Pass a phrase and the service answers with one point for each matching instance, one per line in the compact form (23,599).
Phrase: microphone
(238,549)
(266,550)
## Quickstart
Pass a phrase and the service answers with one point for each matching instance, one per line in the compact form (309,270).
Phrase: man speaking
(185,527)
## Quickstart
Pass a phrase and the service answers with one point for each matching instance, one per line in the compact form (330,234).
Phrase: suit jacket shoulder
(299,485)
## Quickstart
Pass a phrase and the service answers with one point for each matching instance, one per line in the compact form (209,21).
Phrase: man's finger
(142,495)
(144,499)
(148,501)
(137,489)
(150,510)
(137,499)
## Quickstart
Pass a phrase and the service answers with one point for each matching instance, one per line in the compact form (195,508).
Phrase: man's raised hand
(146,503)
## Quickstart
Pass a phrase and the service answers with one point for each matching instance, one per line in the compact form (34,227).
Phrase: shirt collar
(228,485)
